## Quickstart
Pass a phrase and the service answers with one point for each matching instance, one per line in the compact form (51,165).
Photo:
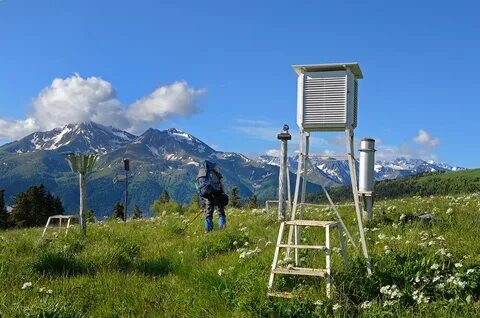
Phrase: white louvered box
(327,96)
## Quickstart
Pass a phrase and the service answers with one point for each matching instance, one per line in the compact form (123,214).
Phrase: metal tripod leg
(353,178)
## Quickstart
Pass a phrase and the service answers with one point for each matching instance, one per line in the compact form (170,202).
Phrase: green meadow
(157,268)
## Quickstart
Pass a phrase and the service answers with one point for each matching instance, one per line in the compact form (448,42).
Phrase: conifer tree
(252,202)
(90,216)
(137,213)
(234,199)
(34,206)
(4,217)
(164,197)
(118,211)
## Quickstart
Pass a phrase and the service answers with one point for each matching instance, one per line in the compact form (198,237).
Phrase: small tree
(118,211)
(90,216)
(34,206)
(137,213)
(164,197)
(252,202)
(169,207)
(4,216)
(234,199)
(194,206)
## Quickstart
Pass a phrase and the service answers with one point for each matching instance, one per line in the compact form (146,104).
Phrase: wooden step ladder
(324,273)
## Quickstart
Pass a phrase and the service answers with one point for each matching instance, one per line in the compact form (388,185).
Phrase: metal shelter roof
(353,67)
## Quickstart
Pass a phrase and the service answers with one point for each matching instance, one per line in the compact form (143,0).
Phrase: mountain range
(159,160)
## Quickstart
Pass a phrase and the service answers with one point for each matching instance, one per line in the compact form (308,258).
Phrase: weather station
(327,101)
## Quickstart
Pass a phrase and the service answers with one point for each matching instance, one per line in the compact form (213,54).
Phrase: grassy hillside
(437,183)
(152,268)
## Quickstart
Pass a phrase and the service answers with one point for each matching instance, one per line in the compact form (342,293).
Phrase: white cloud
(424,138)
(11,129)
(273,152)
(77,99)
(263,130)
(423,148)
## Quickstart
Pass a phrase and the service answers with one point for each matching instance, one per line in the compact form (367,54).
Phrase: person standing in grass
(212,187)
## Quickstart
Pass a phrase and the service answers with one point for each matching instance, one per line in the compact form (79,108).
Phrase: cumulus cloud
(424,138)
(77,99)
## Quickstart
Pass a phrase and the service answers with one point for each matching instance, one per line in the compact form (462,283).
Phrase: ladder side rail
(327,259)
(275,256)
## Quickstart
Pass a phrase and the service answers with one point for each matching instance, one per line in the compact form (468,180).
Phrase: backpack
(208,181)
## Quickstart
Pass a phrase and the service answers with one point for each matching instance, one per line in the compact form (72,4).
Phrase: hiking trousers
(210,208)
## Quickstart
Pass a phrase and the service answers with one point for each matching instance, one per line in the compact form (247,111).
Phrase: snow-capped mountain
(76,137)
(338,170)
(159,159)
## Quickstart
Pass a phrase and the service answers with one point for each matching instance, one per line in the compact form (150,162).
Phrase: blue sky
(221,69)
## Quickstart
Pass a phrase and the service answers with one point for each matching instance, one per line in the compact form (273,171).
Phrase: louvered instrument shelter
(327,96)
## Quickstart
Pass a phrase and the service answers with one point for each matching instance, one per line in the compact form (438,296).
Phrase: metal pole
(83,191)
(126,197)
(282,179)
(284,137)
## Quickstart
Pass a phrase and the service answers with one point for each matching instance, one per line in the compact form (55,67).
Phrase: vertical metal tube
(367,174)
(282,180)
(83,192)
(126,197)
(367,162)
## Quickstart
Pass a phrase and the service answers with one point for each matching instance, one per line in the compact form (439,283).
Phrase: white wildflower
(220,272)
(458,265)
(336,306)
(389,303)
(381,236)
(420,298)
(366,304)
(41,289)
(435,266)
(49,291)
(470,270)
(27,285)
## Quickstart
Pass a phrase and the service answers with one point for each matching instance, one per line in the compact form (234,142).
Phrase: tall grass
(154,268)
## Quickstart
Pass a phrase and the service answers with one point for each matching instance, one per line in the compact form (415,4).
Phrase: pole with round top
(82,164)
(284,137)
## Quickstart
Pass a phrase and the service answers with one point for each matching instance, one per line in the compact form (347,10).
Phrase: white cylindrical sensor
(367,165)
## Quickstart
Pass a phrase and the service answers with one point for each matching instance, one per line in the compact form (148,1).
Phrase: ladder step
(300,271)
(280,294)
(312,223)
(311,247)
